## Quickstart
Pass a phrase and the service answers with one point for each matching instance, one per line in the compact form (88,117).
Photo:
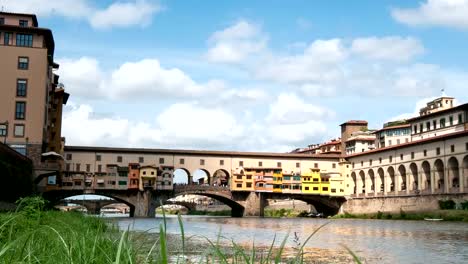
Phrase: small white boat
(433,219)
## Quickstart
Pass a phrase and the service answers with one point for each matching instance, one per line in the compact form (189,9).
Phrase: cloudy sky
(248,75)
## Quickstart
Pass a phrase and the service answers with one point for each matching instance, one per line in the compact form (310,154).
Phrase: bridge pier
(144,205)
(255,204)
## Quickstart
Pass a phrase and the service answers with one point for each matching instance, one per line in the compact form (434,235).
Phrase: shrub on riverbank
(282,213)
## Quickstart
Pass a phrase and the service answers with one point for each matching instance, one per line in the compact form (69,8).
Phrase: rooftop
(33,16)
(456,108)
(355,122)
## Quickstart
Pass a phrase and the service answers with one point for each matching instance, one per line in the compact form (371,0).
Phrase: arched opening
(362,182)
(201,177)
(182,177)
(402,178)
(439,175)
(391,176)
(413,181)
(453,175)
(372,180)
(115,209)
(354,183)
(211,201)
(94,203)
(426,167)
(465,173)
(221,178)
(381,184)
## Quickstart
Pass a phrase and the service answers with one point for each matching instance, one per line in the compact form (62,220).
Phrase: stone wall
(418,203)
(16,175)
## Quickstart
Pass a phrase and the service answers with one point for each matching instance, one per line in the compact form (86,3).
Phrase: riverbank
(446,215)
(32,235)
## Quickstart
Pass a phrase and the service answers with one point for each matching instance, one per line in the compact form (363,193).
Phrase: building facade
(32,99)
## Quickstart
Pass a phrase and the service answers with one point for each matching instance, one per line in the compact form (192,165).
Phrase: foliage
(446,204)
(464,205)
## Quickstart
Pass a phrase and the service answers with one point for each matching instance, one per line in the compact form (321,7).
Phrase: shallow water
(379,241)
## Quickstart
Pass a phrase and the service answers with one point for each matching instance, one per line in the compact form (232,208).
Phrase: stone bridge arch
(55,197)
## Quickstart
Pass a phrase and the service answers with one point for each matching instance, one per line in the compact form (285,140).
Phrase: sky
(248,75)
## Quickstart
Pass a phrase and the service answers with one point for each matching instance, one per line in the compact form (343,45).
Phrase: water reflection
(380,241)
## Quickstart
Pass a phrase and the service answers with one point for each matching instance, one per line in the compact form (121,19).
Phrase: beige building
(394,133)
(435,160)
(32,99)
(360,141)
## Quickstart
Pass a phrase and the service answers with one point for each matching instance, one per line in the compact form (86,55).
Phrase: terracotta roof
(200,152)
(355,122)
(393,127)
(460,107)
(412,143)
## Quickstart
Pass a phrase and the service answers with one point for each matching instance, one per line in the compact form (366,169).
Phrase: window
(3,130)
(24,40)
(20,112)
(181,161)
(119,158)
(420,128)
(141,159)
(316,188)
(99,168)
(278,164)
(23,63)
(390,142)
(221,162)
(390,159)
(260,164)
(434,124)
(241,163)
(98,157)
(306,188)
(88,167)
(466,146)
(460,118)
(352,165)
(398,141)
(69,156)
(333,190)
(161,160)
(428,126)
(77,183)
(249,185)
(401,156)
(202,162)
(249,177)
(380,160)
(406,140)
(23,23)
(415,129)
(438,151)
(2,20)
(412,155)
(122,182)
(21,87)
(239,185)
(298,165)
(324,188)
(442,122)
(19,131)
(7,37)
(362,163)
(67,167)
(451,120)
(452,148)
(78,167)
(370,162)
(334,165)
(316,165)
(425,153)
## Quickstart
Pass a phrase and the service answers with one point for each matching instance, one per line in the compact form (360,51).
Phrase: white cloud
(319,62)
(394,48)
(125,14)
(82,77)
(235,43)
(195,126)
(449,13)
(117,14)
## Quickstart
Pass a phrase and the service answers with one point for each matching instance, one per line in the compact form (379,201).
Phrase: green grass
(32,235)
(282,213)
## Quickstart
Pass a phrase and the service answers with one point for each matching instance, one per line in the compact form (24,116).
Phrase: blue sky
(248,75)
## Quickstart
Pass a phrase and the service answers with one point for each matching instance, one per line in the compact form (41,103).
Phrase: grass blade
(355,257)
(119,250)
(182,234)
(162,240)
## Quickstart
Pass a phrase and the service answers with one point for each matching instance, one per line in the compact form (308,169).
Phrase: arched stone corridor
(381,181)
(426,176)
(413,184)
(439,176)
(401,182)
(465,174)
(453,174)
(391,176)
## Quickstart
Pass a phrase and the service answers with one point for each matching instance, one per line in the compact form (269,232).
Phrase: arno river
(379,241)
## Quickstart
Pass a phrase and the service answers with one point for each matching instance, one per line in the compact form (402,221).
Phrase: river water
(378,241)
